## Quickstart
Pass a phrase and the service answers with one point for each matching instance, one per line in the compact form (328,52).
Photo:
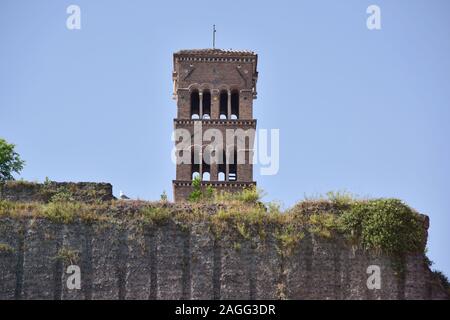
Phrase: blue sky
(358,110)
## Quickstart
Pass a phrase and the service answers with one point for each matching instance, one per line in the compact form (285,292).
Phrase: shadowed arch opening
(223,104)
(206,166)
(234,104)
(206,101)
(195,104)
(222,167)
(232,167)
(195,162)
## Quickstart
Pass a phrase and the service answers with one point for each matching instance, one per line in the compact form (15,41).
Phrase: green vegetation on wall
(385,226)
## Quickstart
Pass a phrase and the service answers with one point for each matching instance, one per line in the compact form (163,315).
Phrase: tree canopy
(10,161)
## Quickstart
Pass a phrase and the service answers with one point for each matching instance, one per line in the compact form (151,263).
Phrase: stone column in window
(229,105)
(200,96)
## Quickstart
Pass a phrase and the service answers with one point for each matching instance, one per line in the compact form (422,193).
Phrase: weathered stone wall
(171,261)
(24,191)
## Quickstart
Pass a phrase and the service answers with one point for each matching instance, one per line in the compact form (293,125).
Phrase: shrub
(17,209)
(68,256)
(5,207)
(209,192)
(155,215)
(196,194)
(288,236)
(248,221)
(341,198)
(63,212)
(442,279)
(323,224)
(62,195)
(6,248)
(163,197)
(250,195)
(383,225)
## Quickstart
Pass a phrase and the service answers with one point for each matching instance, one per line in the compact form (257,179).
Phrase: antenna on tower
(214,36)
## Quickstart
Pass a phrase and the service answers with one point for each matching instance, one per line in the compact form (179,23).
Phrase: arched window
(195,175)
(223,105)
(206,166)
(195,162)
(195,105)
(232,167)
(222,167)
(206,104)
(234,104)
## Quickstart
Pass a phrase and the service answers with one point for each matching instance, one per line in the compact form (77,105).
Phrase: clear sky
(358,110)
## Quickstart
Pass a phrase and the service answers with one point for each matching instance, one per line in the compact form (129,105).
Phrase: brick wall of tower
(183,104)
(244,171)
(238,74)
(216,72)
(246,104)
(215,76)
(183,190)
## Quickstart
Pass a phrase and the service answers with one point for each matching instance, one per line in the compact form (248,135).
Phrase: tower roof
(208,59)
(216,52)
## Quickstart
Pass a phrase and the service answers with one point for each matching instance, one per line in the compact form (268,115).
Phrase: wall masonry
(24,191)
(171,261)
(161,250)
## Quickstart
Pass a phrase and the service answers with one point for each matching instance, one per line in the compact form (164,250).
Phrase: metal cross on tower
(214,36)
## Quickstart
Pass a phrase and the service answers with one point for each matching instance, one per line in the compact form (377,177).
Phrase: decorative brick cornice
(218,184)
(216,59)
(216,55)
(208,122)
(215,52)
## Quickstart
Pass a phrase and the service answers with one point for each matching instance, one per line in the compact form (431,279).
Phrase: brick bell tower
(214,89)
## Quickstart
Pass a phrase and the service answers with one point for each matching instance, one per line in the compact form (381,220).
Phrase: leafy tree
(10,161)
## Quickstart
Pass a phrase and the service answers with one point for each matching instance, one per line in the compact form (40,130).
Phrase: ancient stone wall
(172,261)
(24,191)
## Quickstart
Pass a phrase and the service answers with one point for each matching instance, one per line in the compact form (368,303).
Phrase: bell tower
(214,127)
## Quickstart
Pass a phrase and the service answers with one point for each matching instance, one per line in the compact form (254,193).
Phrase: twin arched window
(229,160)
(201,104)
